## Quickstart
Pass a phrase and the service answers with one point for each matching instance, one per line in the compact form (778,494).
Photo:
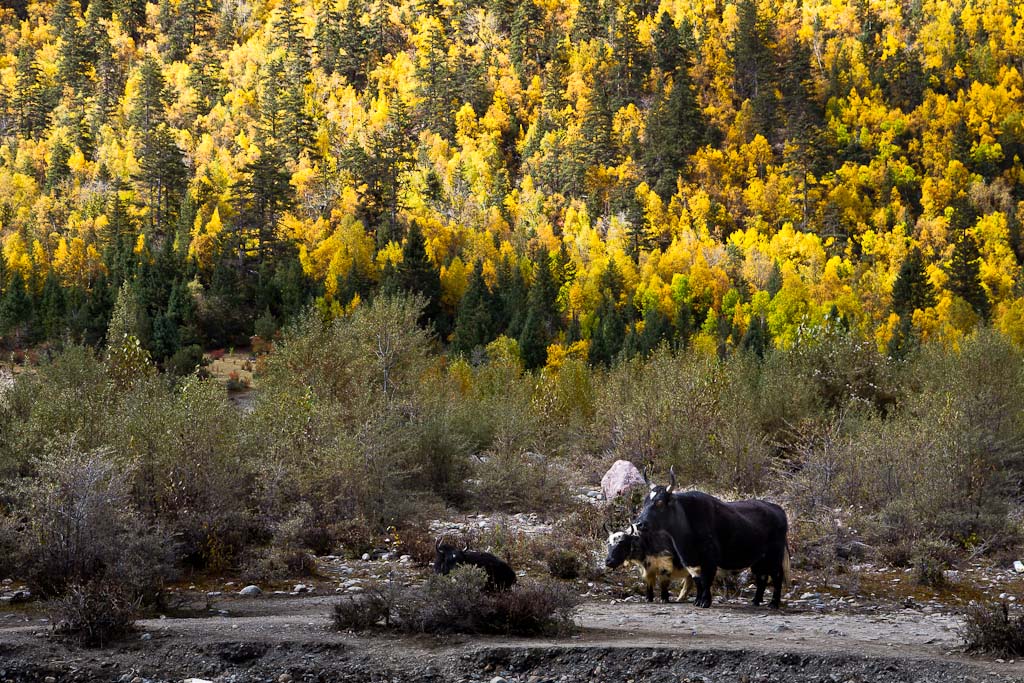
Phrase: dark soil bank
(282,662)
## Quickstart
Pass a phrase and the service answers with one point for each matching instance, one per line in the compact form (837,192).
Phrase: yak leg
(761,582)
(665,581)
(704,581)
(649,586)
(687,587)
(777,581)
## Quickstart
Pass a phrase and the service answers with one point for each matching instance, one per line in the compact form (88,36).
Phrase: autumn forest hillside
(589,177)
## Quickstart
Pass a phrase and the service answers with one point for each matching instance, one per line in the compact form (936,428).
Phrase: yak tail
(786,573)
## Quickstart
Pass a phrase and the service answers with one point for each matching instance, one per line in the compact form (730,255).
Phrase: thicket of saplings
(118,479)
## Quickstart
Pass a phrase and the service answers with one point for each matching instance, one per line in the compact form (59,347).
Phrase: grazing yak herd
(678,535)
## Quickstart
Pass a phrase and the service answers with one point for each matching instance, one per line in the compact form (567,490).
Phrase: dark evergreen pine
(297,128)
(264,193)
(631,59)
(382,165)
(163,174)
(965,275)
(657,328)
(512,293)
(533,349)
(684,324)
(474,323)
(417,274)
(675,129)
(774,280)
(327,35)
(29,100)
(15,310)
(668,45)
(58,170)
(590,21)
(51,309)
(147,110)
(912,290)
(353,45)
(757,339)
(596,127)
(438,88)
(754,65)
(608,335)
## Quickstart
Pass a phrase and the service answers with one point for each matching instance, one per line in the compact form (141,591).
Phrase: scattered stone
(300,588)
(1018,566)
(146,636)
(366,557)
(810,596)
(49,679)
(196,680)
(284,678)
(620,478)
(405,558)
(498,679)
(250,591)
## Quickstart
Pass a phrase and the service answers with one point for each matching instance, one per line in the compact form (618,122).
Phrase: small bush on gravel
(458,603)
(563,564)
(94,614)
(990,628)
(361,612)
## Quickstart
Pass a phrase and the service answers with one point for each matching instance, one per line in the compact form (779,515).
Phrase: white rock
(196,680)
(366,557)
(405,558)
(620,478)
(1018,566)
(250,591)
(300,588)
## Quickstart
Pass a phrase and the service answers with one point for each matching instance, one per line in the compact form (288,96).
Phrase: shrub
(362,612)
(84,530)
(458,603)
(990,628)
(185,361)
(95,614)
(931,559)
(563,564)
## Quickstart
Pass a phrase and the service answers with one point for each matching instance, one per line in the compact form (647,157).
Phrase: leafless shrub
(94,614)
(458,603)
(992,629)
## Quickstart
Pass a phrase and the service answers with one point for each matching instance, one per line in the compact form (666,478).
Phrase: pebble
(405,558)
(250,591)
(49,679)
(366,557)
(1018,566)
(146,636)
(300,588)
(284,678)
(498,679)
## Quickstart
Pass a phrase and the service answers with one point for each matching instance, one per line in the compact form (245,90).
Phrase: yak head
(657,506)
(447,556)
(622,546)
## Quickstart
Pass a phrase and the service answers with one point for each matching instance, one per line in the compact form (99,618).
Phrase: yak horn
(437,543)
(671,478)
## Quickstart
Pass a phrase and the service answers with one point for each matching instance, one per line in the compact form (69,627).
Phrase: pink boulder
(618,480)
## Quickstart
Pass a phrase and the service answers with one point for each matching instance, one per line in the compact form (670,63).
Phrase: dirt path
(258,639)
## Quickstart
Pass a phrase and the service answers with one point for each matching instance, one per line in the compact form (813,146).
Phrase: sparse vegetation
(991,628)
(458,603)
